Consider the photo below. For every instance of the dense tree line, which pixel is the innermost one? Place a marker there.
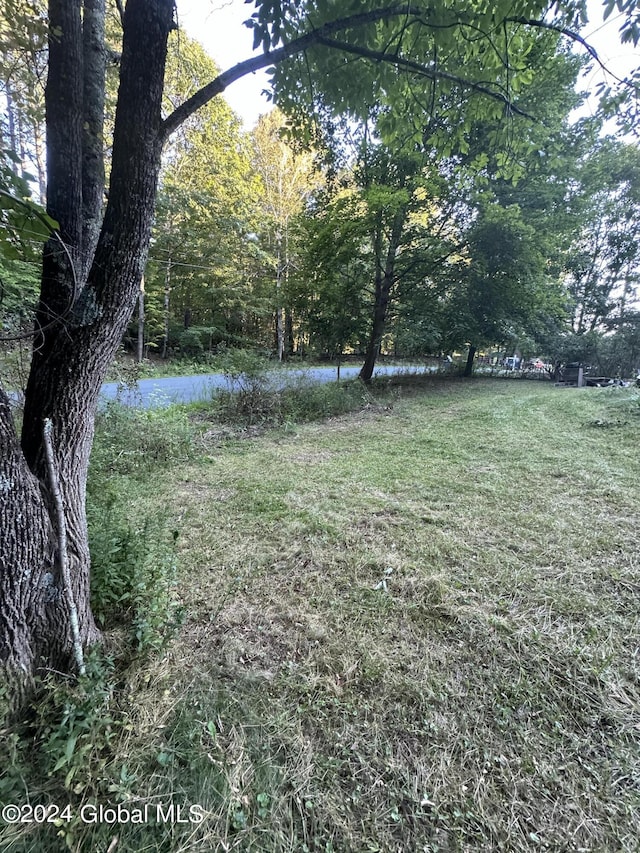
(323, 272)
(355, 246)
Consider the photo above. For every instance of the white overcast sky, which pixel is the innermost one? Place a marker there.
(218, 25)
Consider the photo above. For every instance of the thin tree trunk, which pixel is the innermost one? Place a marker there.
(385, 279)
(141, 322)
(383, 290)
(279, 312)
(166, 304)
(288, 333)
(468, 368)
(13, 141)
(40, 166)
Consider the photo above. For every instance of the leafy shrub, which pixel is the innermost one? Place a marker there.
(65, 737)
(250, 397)
(77, 725)
(242, 366)
(125, 372)
(254, 395)
(137, 441)
(133, 574)
(309, 402)
(180, 365)
(190, 342)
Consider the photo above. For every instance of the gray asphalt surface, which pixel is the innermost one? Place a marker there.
(159, 393)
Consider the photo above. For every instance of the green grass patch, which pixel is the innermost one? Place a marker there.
(413, 627)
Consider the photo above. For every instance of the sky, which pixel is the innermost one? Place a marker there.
(604, 36)
(218, 25)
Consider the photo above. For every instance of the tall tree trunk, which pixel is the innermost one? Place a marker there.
(279, 309)
(384, 282)
(94, 57)
(13, 139)
(280, 332)
(382, 295)
(86, 301)
(288, 332)
(38, 145)
(165, 310)
(468, 368)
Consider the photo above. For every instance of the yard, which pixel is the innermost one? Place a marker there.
(412, 628)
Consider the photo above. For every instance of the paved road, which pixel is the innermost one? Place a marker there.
(159, 393)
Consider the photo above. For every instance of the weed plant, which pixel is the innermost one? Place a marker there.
(133, 575)
(258, 405)
(133, 558)
(256, 397)
(137, 442)
(70, 746)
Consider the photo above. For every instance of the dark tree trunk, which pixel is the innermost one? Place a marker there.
(165, 311)
(288, 327)
(468, 368)
(384, 282)
(30, 603)
(88, 291)
(94, 58)
(382, 295)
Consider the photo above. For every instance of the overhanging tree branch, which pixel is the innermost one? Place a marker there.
(574, 36)
(323, 35)
(423, 71)
(273, 57)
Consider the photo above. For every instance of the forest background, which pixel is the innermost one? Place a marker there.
(520, 240)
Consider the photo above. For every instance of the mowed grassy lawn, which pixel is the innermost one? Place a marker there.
(413, 628)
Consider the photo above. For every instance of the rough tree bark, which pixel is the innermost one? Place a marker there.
(88, 292)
